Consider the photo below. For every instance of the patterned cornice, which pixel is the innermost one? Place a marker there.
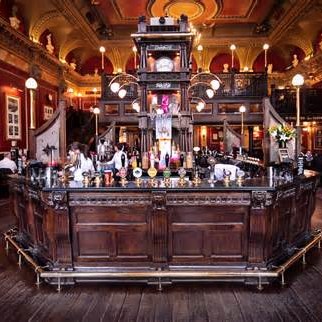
(42, 23)
(18, 44)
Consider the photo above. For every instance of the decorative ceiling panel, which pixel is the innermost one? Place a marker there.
(119, 12)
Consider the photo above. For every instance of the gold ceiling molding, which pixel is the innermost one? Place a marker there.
(115, 57)
(192, 9)
(41, 24)
(197, 11)
(70, 45)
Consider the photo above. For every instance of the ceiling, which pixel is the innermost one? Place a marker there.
(80, 27)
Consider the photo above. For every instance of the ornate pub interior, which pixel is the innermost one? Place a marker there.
(160, 142)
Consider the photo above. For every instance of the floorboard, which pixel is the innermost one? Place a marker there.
(299, 300)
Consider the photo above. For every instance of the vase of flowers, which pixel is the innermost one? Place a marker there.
(282, 133)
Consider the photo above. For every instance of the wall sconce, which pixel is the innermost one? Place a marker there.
(31, 84)
(265, 47)
(102, 51)
(232, 48)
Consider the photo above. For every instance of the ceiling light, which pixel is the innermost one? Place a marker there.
(215, 84)
(242, 109)
(210, 93)
(298, 80)
(115, 87)
(31, 83)
(122, 93)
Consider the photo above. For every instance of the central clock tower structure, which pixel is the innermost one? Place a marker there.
(164, 45)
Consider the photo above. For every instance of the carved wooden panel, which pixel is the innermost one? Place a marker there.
(107, 234)
(207, 234)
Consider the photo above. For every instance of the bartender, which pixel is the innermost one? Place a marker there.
(117, 158)
(80, 160)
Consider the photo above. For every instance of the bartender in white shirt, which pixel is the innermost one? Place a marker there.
(7, 163)
(117, 158)
(81, 162)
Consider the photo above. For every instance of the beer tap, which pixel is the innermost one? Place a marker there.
(152, 171)
(137, 172)
(166, 171)
(182, 172)
(123, 171)
(196, 180)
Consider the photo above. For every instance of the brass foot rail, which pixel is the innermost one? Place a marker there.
(276, 272)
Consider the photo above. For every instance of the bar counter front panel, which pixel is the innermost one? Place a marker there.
(129, 229)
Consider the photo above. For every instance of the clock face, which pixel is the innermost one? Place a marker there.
(164, 64)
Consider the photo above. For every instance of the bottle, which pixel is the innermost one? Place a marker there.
(189, 160)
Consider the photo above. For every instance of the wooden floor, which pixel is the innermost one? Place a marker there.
(299, 300)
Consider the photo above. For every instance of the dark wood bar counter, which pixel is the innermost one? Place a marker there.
(249, 233)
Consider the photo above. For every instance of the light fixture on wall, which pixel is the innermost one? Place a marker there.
(31, 84)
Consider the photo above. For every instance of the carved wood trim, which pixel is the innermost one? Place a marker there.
(56, 200)
(110, 199)
(208, 199)
(159, 227)
(262, 199)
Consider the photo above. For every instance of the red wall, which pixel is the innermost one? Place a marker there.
(12, 82)
(216, 65)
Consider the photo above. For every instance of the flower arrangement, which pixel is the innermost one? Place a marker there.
(282, 132)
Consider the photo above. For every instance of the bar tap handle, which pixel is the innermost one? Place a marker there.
(167, 159)
(197, 160)
(123, 160)
(181, 160)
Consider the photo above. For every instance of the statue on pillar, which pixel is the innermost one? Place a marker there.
(73, 64)
(14, 21)
(50, 48)
(295, 60)
(226, 68)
